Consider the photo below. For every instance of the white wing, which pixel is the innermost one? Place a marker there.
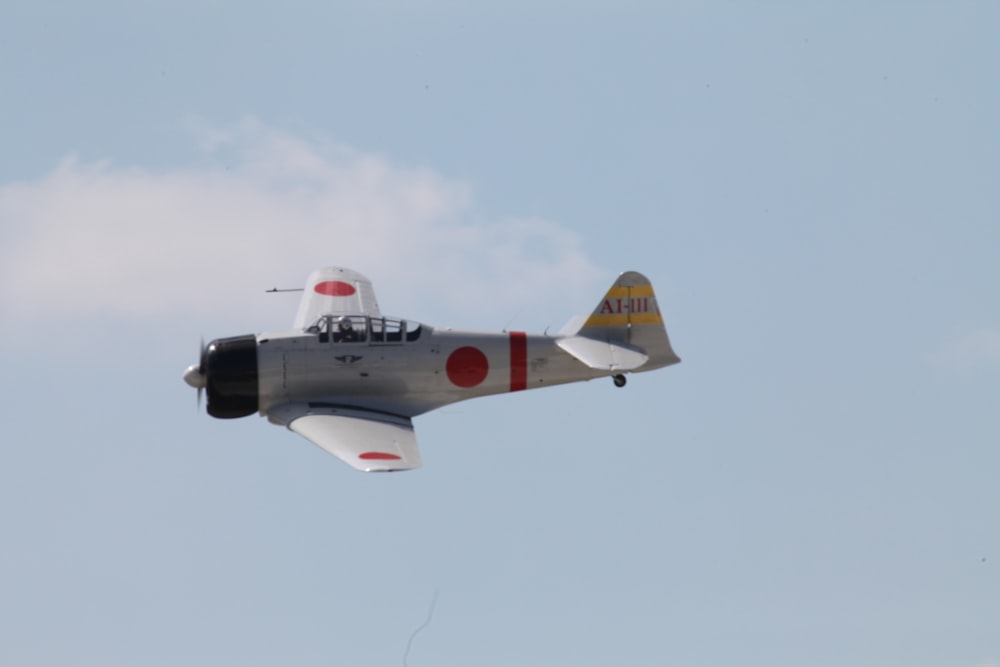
(365, 440)
(336, 291)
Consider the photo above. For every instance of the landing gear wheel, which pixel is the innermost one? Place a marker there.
(619, 380)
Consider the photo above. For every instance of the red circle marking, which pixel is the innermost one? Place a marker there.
(334, 288)
(378, 456)
(467, 367)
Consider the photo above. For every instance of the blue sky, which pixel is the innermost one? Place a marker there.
(811, 189)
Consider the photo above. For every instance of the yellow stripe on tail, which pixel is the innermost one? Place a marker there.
(629, 315)
(629, 301)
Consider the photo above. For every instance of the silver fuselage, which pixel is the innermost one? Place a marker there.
(407, 378)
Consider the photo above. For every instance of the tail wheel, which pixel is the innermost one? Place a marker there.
(619, 380)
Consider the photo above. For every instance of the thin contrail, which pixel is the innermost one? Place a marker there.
(427, 621)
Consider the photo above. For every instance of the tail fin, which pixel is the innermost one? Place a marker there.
(628, 320)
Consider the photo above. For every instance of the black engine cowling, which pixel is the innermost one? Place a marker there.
(230, 369)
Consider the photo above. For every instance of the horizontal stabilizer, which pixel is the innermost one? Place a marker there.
(604, 355)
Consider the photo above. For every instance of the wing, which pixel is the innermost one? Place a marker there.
(336, 291)
(365, 440)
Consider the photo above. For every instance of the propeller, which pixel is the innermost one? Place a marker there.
(227, 371)
(195, 373)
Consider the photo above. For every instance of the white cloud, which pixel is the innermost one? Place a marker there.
(980, 347)
(265, 208)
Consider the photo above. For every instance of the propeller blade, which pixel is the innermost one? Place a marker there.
(195, 375)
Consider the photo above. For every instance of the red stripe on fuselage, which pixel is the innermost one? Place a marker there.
(518, 360)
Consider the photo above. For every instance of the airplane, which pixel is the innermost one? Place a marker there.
(351, 380)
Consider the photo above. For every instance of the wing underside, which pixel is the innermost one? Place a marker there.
(367, 441)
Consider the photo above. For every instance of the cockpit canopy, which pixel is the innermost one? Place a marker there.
(363, 328)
